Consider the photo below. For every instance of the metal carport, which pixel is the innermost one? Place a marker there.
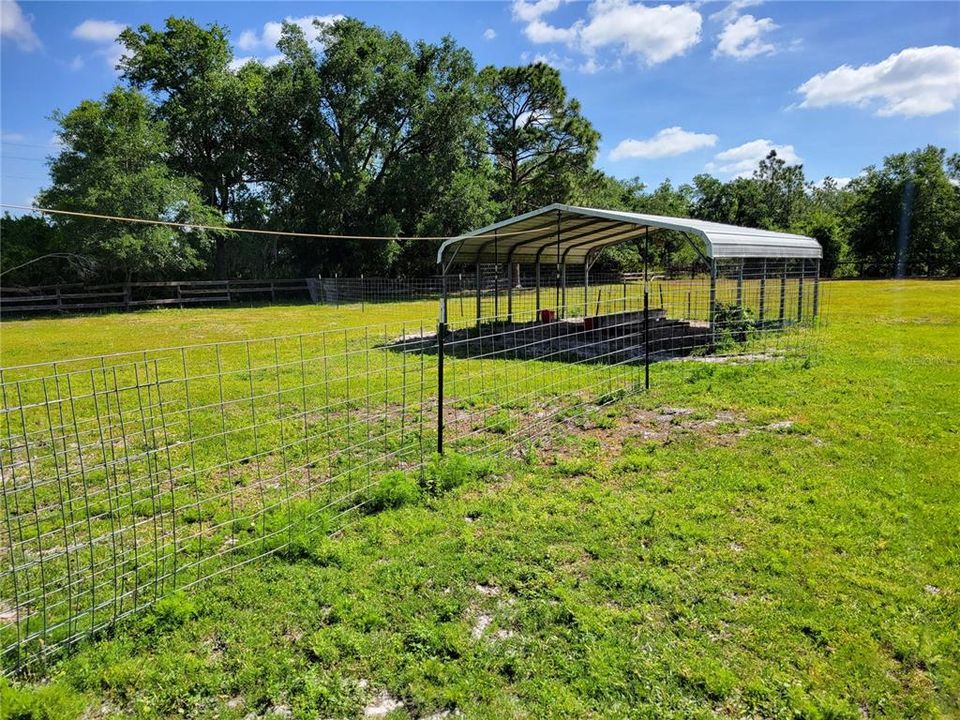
(562, 235)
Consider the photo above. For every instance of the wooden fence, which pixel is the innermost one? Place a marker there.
(138, 295)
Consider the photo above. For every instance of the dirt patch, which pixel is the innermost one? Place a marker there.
(666, 424)
(480, 625)
(381, 704)
(742, 359)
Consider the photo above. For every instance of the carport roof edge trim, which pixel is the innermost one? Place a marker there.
(720, 240)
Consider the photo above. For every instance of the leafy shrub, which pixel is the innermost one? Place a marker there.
(52, 701)
(734, 320)
(446, 472)
(169, 612)
(394, 490)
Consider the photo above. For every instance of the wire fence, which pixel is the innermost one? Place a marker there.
(129, 475)
(125, 477)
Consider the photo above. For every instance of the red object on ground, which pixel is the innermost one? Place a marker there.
(547, 316)
(588, 323)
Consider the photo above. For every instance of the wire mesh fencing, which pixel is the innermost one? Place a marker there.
(530, 354)
(126, 477)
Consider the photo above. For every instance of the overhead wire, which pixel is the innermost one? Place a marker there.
(252, 231)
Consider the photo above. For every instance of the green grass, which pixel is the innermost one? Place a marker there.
(773, 540)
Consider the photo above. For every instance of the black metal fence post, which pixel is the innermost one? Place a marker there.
(441, 337)
(646, 310)
(441, 333)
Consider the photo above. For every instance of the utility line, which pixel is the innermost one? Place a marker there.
(5, 156)
(221, 228)
(51, 148)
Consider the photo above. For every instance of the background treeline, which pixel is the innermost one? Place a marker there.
(356, 131)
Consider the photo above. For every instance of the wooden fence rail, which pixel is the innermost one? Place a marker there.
(138, 295)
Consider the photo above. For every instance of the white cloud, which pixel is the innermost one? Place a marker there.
(666, 143)
(653, 33)
(541, 32)
(103, 33)
(911, 83)
(732, 11)
(17, 26)
(269, 36)
(529, 10)
(12, 137)
(551, 58)
(840, 182)
(489, 34)
(268, 61)
(744, 38)
(742, 160)
(590, 66)
(248, 40)
(97, 30)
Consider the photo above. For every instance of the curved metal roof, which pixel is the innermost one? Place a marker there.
(583, 231)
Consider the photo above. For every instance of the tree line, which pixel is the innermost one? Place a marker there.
(356, 131)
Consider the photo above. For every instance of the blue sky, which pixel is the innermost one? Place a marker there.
(673, 89)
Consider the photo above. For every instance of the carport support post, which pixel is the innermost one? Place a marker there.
(557, 277)
(713, 301)
(803, 267)
(563, 290)
(496, 275)
(509, 291)
(478, 293)
(816, 288)
(763, 291)
(537, 273)
(783, 292)
(740, 284)
(586, 286)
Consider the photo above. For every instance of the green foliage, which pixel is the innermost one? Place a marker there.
(208, 110)
(540, 142)
(383, 131)
(168, 612)
(906, 214)
(26, 239)
(735, 321)
(394, 490)
(451, 470)
(113, 162)
(50, 701)
(375, 135)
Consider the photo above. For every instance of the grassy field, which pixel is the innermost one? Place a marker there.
(773, 540)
